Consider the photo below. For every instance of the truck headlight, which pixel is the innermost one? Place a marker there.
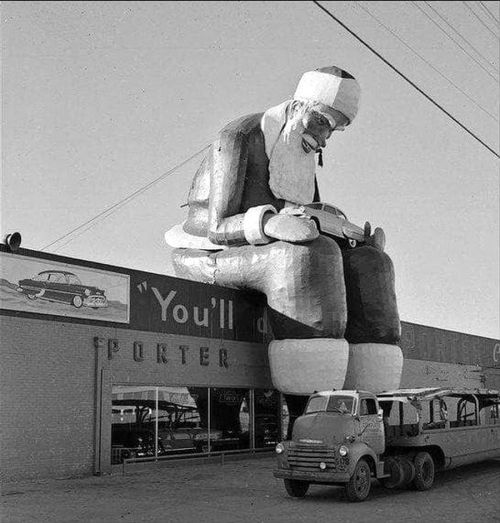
(279, 448)
(343, 450)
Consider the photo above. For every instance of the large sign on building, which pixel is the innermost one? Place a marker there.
(40, 284)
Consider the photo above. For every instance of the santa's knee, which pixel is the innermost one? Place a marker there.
(371, 297)
(304, 285)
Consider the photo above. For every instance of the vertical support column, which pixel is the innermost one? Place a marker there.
(282, 403)
(209, 415)
(252, 418)
(102, 425)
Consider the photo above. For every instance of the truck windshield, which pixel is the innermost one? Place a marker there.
(339, 404)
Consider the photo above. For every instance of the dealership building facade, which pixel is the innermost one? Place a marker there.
(102, 364)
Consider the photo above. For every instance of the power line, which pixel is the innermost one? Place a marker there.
(483, 5)
(429, 64)
(453, 39)
(125, 200)
(480, 19)
(406, 78)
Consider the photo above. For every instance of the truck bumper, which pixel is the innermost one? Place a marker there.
(312, 477)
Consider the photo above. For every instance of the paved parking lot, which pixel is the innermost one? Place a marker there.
(245, 491)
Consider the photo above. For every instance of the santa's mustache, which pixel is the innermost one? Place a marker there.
(309, 143)
(294, 130)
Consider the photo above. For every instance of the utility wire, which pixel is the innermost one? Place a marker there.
(453, 39)
(406, 78)
(480, 19)
(483, 5)
(125, 200)
(429, 64)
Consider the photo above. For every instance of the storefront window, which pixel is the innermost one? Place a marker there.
(161, 421)
(133, 423)
(266, 424)
(181, 416)
(229, 419)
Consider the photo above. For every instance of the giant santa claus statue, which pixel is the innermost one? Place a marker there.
(332, 309)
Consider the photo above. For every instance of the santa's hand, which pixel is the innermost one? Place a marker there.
(294, 229)
(294, 211)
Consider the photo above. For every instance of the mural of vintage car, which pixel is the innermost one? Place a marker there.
(63, 287)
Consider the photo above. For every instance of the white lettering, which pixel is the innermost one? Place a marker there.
(496, 353)
(230, 315)
(178, 317)
(221, 317)
(164, 303)
(204, 321)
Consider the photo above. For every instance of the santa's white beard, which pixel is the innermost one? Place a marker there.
(291, 169)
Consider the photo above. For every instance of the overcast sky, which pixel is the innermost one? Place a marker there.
(101, 98)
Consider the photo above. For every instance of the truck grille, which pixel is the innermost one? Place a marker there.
(308, 458)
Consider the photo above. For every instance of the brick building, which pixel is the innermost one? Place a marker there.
(102, 363)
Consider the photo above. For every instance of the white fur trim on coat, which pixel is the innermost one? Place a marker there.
(252, 224)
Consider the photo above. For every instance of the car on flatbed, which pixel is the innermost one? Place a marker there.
(401, 437)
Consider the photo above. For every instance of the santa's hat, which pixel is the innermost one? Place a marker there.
(332, 87)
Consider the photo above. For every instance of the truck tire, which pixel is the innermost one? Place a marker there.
(358, 487)
(296, 488)
(393, 467)
(408, 468)
(424, 471)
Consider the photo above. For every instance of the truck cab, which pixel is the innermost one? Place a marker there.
(338, 440)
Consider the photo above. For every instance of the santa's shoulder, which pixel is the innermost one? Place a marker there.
(244, 125)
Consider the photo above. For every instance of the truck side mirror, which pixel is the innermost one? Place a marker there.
(380, 415)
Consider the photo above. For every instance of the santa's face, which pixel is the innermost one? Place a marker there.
(319, 122)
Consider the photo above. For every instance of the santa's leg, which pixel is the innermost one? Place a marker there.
(304, 285)
(373, 327)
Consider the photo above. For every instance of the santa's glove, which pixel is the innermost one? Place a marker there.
(377, 239)
(289, 228)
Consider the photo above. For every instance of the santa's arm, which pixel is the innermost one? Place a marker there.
(226, 224)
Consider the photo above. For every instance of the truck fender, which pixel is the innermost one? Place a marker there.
(360, 450)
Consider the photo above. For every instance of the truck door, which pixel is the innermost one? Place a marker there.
(371, 428)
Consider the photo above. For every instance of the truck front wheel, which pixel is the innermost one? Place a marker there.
(424, 471)
(296, 488)
(358, 487)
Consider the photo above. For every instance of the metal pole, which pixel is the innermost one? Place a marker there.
(156, 423)
(209, 414)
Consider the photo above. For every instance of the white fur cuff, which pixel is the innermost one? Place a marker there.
(304, 366)
(374, 366)
(252, 224)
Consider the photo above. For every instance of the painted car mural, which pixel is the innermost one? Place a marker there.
(64, 287)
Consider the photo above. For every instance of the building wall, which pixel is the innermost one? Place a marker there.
(47, 399)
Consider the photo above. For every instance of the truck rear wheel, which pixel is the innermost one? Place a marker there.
(393, 467)
(358, 487)
(296, 488)
(424, 471)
